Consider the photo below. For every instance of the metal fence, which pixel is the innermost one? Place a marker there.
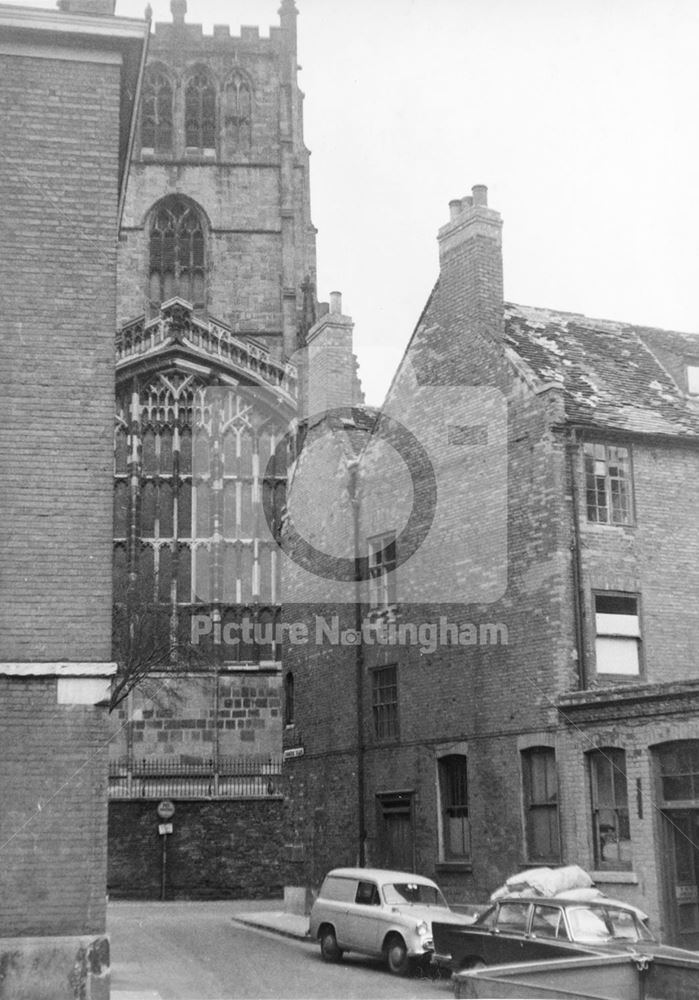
(222, 778)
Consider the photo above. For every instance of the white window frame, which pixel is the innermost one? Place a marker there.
(617, 635)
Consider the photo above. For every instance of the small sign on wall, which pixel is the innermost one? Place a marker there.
(166, 809)
(164, 829)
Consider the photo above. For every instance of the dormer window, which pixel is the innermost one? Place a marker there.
(693, 380)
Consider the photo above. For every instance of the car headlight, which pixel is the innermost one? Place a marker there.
(422, 927)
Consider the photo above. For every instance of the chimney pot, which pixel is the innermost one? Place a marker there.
(336, 302)
(454, 209)
(480, 195)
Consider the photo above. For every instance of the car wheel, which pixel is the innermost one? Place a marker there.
(397, 957)
(329, 948)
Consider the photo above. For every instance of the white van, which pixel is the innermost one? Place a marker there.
(380, 913)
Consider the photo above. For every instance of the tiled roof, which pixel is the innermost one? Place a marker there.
(613, 375)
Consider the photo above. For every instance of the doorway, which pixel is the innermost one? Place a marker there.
(396, 842)
(678, 799)
(682, 827)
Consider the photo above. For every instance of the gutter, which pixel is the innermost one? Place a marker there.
(572, 449)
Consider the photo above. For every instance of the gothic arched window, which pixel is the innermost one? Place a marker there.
(177, 254)
(237, 112)
(200, 112)
(156, 114)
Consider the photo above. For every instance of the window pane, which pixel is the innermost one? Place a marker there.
(617, 656)
(607, 483)
(512, 917)
(385, 702)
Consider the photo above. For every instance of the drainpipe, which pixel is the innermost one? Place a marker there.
(359, 659)
(573, 449)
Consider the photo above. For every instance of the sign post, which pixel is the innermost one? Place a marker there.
(166, 810)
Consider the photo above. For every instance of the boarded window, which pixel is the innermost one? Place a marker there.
(453, 789)
(541, 804)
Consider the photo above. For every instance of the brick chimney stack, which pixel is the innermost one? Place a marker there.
(470, 257)
(331, 367)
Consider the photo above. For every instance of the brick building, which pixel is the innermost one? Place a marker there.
(541, 708)
(216, 293)
(70, 82)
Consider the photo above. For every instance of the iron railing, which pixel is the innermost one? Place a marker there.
(222, 778)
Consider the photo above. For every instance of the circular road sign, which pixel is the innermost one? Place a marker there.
(166, 809)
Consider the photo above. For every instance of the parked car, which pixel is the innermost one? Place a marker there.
(385, 914)
(532, 928)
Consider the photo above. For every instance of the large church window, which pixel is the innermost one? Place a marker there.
(156, 113)
(177, 254)
(192, 510)
(237, 112)
(200, 112)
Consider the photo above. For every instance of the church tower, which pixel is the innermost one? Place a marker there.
(216, 291)
(218, 207)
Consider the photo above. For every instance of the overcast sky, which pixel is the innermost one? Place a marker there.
(581, 116)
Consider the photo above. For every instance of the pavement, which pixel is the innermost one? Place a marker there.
(290, 925)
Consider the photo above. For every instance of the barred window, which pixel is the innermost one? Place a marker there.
(453, 789)
(610, 809)
(200, 112)
(608, 484)
(385, 703)
(541, 804)
(156, 112)
(177, 254)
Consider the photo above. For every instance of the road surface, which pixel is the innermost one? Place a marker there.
(195, 951)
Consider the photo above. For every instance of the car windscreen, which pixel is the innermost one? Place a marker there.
(395, 893)
(600, 924)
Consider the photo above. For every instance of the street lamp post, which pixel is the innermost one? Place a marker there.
(353, 468)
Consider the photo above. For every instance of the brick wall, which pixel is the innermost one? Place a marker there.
(59, 180)
(184, 717)
(656, 558)
(53, 823)
(486, 696)
(218, 850)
